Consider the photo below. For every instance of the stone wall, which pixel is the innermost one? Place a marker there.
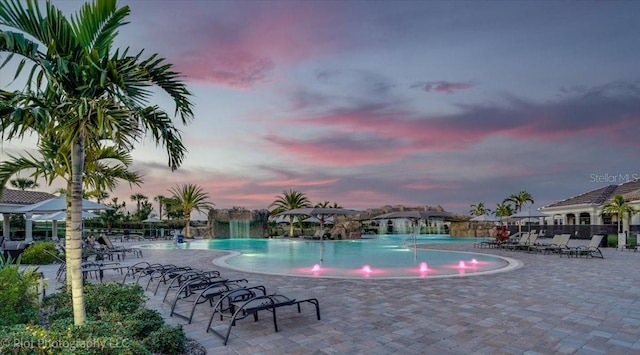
(472, 229)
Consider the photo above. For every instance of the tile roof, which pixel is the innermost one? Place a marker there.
(20, 197)
(630, 190)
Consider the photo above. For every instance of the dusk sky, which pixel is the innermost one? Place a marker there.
(372, 103)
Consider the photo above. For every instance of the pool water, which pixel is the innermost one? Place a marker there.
(380, 257)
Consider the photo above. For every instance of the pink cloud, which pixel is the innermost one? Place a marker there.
(244, 52)
(441, 86)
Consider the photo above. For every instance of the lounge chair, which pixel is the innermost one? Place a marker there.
(520, 242)
(591, 250)
(242, 303)
(559, 242)
(104, 240)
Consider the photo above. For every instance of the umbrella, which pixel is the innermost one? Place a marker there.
(62, 215)
(524, 215)
(60, 204)
(153, 219)
(321, 213)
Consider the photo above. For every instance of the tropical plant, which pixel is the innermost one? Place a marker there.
(479, 209)
(519, 200)
(621, 208)
(289, 200)
(160, 200)
(23, 183)
(190, 198)
(139, 199)
(327, 204)
(172, 208)
(82, 91)
(116, 213)
(503, 210)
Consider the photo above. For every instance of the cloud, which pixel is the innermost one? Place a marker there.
(441, 86)
(370, 133)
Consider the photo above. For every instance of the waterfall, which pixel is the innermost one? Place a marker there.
(239, 229)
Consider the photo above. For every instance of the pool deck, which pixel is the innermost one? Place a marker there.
(549, 305)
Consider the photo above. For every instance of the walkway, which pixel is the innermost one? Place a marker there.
(550, 305)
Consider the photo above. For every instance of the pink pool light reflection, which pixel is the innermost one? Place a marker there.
(354, 259)
(423, 267)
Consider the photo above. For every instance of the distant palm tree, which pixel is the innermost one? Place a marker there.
(327, 204)
(479, 209)
(160, 200)
(519, 199)
(190, 197)
(24, 183)
(138, 199)
(621, 208)
(289, 200)
(503, 210)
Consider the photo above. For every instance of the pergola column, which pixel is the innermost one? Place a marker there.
(28, 230)
(6, 226)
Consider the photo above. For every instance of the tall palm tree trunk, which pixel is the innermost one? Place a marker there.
(74, 239)
(187, 227)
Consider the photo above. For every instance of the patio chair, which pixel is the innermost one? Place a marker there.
(522, 241)
(558, 242)
(240, 306)
(104, 240)
(591, 250)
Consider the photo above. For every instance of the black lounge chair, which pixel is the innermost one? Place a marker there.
(242, 303)
(213, 291)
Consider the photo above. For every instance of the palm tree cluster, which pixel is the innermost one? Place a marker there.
(510, 205)
(81, 96)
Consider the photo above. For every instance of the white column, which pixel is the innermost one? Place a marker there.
(54, 232)
(28, 234)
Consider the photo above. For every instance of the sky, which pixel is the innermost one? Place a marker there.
(372, 103)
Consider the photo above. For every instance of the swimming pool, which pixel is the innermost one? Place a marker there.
(379, 258)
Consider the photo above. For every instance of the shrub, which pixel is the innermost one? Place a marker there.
(167, 340)
(100, 297)
(18, 295)
(143, 322)
(36, 254)
(27, 339)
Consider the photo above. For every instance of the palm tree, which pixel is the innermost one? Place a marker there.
(621, 208)
(23, 183)
(139, 199)
(327, 204)
(519, 199)
(160, 200)
(503, 210)
(81, 90)
(289, 200)
(479, 209)
(190, 198)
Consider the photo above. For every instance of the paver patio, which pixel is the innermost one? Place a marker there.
(549, 305)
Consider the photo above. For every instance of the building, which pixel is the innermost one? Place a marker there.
(12, 200)
(582, 214)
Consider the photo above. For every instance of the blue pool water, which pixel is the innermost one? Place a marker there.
(380, 257)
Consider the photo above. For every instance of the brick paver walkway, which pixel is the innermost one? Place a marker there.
(550, 305)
